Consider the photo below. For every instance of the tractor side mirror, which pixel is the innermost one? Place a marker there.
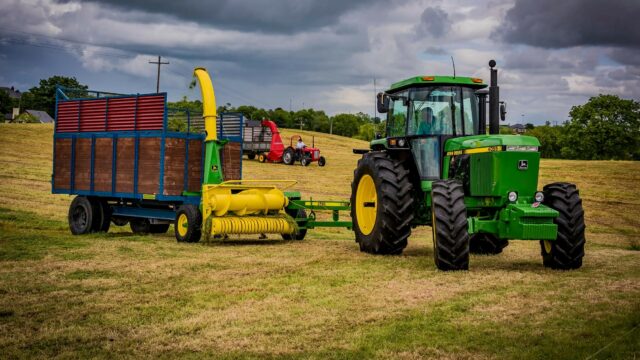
(382, 103)
(503, 110)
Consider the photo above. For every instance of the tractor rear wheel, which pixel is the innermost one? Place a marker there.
(301, 233)
(486, 244)
(449, 226)
(382, 203)
(81, 214)
(251, 155)
(567, 251)
(288, 157)
(322, 161)
(188, 224)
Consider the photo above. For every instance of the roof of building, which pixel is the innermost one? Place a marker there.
(42, 116)
(518, 126)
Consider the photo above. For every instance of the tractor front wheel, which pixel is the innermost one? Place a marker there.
(567, 251)
(449, 226)
(486, 244)
(382, 203)
(262, 158)
(188, 224)
(322, 161)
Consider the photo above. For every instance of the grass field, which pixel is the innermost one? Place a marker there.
(119, 295)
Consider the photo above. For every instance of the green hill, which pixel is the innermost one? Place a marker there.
(116, 294)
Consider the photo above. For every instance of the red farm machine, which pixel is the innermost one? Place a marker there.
(262, 139)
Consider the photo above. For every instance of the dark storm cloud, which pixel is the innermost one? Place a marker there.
(434, 22)
(268, 16)
(567, 23)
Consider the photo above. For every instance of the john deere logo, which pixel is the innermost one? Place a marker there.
(523, 164)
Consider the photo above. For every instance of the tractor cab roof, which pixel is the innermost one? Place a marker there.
(431, 80)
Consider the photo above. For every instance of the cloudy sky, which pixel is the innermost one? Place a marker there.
(552, 54)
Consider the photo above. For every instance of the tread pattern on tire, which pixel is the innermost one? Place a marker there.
(486, 244)
(395, 203)
(450, 231)
(194, 218)
(301, 232)
(567, 250)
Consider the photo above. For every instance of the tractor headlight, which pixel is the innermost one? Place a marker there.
(539, 196)
(401, 142)
(513, 196)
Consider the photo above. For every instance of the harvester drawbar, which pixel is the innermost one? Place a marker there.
(117, 154)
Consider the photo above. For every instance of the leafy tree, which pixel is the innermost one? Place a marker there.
(606, 127)
(346, 125)
(6, 103)
(25, 118)
(549, 137)
(529, 126)
(43, 97)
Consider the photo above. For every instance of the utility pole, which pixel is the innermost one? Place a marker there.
(159, 63)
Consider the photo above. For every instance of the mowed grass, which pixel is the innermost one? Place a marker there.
(119, 295)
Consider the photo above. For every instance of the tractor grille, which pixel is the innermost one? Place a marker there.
(316, 154)
(536, 220)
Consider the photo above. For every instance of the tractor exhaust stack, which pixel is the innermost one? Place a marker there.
(494, 100)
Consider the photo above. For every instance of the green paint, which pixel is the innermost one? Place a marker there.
(212, 163)
(417, 81)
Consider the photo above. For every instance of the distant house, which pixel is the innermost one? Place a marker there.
(518, 129)
(42, 116)
(13, 93)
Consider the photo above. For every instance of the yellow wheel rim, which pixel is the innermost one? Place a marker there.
(183, 225)
(261, 158)
(366, 204)
(547, 246)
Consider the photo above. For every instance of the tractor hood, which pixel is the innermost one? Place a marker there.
(481, 141)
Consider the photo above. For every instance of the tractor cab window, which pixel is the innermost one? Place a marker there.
(397, 120)
(443, 110)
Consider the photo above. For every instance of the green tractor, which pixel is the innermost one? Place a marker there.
(437, 166)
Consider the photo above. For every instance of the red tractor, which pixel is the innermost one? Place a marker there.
(306, 155)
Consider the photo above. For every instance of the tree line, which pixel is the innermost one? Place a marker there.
(606, 127)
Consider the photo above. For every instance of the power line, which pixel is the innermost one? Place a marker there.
(159, 63)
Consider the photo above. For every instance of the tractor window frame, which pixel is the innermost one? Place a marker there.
(393, 129)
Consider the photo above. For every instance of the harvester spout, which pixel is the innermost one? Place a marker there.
(209, 112)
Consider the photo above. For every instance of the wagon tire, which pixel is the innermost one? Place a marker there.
(81, 213)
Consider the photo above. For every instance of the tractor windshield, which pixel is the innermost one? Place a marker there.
(445, 110)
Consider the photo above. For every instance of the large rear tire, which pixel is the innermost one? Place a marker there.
(188, 224)
(486, 244)
(450, 227)
(567, 251)
(382, 203)
(81, 216)
(289, 155)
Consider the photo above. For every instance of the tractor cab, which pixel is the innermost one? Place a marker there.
(424, 112)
